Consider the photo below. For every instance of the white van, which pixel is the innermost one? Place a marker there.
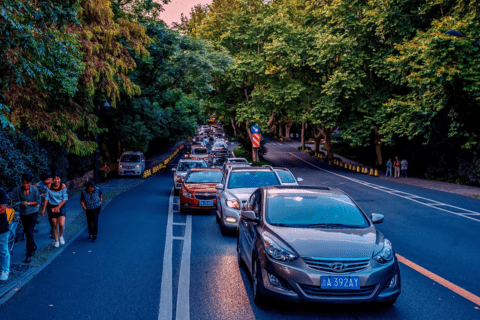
(131, 163)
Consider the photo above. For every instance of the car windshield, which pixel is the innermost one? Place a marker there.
(130, 158)
(204, 177)
(286, 176)
(219, 145)
(238, 161)
(314, 211)
(199, 151)
(185, 166)
(252, 179)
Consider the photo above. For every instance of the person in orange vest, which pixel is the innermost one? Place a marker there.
(396, 165)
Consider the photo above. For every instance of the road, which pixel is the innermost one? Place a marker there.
(150, 262)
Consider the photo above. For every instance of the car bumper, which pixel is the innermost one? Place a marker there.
(192, 203)
(129, 172)
(303, 284)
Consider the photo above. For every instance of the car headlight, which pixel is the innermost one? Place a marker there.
(120, 166)
(233, 204)
(187, 194)
(386, 255)
(137, 166)
(276, 252)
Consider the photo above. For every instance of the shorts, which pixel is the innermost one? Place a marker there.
(63, 211)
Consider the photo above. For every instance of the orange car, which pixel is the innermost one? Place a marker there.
(198, 189)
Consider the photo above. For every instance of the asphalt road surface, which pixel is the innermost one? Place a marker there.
(150, 262)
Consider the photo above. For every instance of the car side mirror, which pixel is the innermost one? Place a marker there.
(299, 179)
(377, 218)
(249, 216)
(174, 169)
(118, 160)
(219, 186)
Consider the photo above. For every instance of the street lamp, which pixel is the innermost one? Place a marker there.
(456, 33)
(106, 105)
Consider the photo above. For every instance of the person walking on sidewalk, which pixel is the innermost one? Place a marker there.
(29, 197)
(396, 165)
(4, 232)
(404, 165)
(91, 201)
(389, 168)
(55, 200)
(42, 186)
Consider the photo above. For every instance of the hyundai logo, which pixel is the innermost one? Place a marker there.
(337, 266)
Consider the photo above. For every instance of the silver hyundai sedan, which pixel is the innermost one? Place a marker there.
(315, 244)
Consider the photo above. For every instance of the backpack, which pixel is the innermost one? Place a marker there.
(398, 164)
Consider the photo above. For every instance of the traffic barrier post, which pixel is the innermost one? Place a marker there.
(376, 173)
(371, 172)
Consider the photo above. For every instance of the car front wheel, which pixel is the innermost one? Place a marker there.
(258, 297)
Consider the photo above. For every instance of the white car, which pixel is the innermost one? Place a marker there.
(131, 163)
(218, 145)
(182, 168)
(237, 185)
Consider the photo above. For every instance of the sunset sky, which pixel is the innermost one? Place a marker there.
(175, 8)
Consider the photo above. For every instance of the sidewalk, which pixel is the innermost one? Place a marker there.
(469, 191)
(21, 273)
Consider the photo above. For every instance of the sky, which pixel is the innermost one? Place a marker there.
(175, 8)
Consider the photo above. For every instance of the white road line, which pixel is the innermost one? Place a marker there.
(432, 203)
(183, 297)
(165, 308)
(178, 223)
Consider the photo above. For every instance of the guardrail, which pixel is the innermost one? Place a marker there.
(356, 168)
(163, 165)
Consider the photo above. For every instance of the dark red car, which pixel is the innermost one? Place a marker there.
(198, 189)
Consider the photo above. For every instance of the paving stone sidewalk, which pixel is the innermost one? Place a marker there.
(21, 272)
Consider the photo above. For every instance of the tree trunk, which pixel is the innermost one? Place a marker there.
(280, 129)
(234, 127)
(304, 126)
(288, 126)
(378, 147)
(317, 137)
(327, 134)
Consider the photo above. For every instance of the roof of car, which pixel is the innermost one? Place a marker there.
(249, 168)
(205, 169)
(190, 160)
(132, 152)
(299, 189)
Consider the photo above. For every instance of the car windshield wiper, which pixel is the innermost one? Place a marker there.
(279, 224)
(327, 225)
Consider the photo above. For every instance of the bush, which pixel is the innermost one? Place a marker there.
(241, 152)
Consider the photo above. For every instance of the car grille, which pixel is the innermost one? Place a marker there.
(326, 265)
(363, 292)
(205, 196)
(129, 167)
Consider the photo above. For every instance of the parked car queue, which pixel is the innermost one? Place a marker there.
(297, 242)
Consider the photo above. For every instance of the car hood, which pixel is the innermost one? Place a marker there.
(329, 243)
(204, 187)
(242, 193)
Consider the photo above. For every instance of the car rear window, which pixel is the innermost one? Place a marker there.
(204, 177)
(313, 210)
(252, 179)
(199, 151)
(286, 176)
(238, 161)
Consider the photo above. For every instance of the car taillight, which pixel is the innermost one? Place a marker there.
(179, 180)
